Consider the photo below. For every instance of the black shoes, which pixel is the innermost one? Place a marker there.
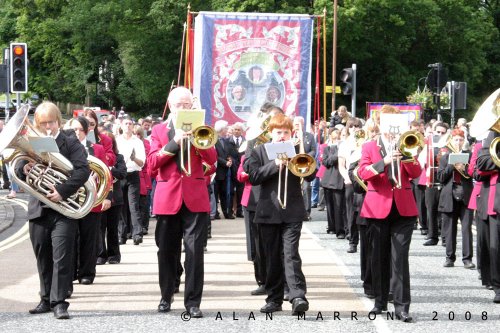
(378, 309)
(122, 241)
(286, 297)
(271, 307)
(261, 290)
(101, 261)
(61, 311)
(239, 215)
(314, 206)
(114, 260)
(431, 242)
(195, 312)
(341, 236)
(86, 281)
(469, 265)
(496, 299)
(404, 317)
(449, 263)
(321, 208)
(307, 218)
(424, 232)
(144, 231)
(137, 240)
(299, 305)
(42, 307)
(352, 249)
(164, 306)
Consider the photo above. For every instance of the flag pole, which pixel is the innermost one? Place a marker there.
(334, 51)
(324, 63)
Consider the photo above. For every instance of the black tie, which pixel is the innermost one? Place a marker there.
(238, 142)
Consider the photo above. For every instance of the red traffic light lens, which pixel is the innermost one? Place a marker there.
(18, 50)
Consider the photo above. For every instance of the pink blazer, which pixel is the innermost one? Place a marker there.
(381, 194)
(174, 188)
(243, 178)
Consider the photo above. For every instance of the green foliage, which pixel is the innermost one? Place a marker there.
(126, 52)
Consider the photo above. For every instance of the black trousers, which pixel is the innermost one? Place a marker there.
(450, 222)
(254, 247)
(53, 240)
(108, 246)
(307, 192)
(223, 196)
(365, 258)
(170, 230)
(86, 246)
(432, 203)
(144, 209)
(390, 240)
(351, 214)
(489, 232)
(238, 193)
(281, 250)
(419, 192)
(130, 223)
(335, 209)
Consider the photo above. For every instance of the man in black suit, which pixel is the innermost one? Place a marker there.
(310, 149)
(223, 172)
(235, 142)
(453, 203)
(53, 234)
(279, 227)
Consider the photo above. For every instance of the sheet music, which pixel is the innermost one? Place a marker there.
(277, 149)
(43, 144)
(188, 120)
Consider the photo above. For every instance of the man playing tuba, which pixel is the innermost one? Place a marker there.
(53, 234)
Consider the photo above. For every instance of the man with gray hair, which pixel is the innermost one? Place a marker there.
(222, 183)
(236, 140)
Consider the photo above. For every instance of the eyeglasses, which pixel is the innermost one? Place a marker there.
(45, 123)
(182, 105)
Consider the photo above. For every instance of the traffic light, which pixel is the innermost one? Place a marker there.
(18, 57)
(346, 76)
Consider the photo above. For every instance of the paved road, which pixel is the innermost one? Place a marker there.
(124, 297)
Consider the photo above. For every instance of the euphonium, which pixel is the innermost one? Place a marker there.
(49, 169)
(488, 118)
(259, 130)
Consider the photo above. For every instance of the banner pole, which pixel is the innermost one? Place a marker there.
(324, 64)
(334, 51)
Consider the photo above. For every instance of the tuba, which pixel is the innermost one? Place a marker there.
(259, 130)
(487, 118)
(49, 169)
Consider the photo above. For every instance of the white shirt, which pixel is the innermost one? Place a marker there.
(126, 146)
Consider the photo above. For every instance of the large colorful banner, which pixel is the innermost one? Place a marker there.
(243, 60)
(413, 111)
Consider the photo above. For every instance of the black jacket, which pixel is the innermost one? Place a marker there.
(332, 179)
(445, 176)
(265, 173)
(119, 172)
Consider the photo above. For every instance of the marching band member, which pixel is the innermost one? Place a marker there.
(490, 261)
(181, 205)
(88, 226)
(333, 185)
(279, 228)
(53, 234)
(391, 214)
(453, 203)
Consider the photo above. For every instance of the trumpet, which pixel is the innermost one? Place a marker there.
(202, 137)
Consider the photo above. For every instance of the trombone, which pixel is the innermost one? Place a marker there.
(301, 165)
(202, 137)
(408, 144)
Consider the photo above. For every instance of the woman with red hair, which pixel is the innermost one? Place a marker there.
(454, 200)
